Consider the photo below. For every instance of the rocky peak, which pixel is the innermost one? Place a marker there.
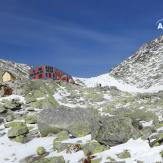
(20, 71)
(145, 67)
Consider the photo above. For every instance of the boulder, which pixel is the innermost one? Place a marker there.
(59, 146)
(40, 150)
(31, 119)
(123, 155)
(17, 130)
(63, 135)
(114, 130)
(93, 147)
(21, 139)
(13, 124)
(12, 105)
(157, 141)
(77, 121)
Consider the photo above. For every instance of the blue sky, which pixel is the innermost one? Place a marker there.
(82, 37)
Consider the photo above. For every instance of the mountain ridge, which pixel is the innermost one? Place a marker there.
(20, 71)
(144, 68)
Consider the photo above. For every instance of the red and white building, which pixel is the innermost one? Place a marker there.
(49, 72)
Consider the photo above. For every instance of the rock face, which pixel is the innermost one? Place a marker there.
(77, 121)
(114, 130)
(20, 71)
(145, 68)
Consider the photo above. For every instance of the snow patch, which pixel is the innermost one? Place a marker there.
(13, 152)
(14, 97)
(138, 149)
(107, 80)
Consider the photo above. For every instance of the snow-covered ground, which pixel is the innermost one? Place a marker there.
(21, 99)
(62, 93)
(138, 149)
(12, 152)
(107, 80)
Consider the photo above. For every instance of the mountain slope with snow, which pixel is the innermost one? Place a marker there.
(145, 68)
(142, 72)
(110, 81)
(114, 117)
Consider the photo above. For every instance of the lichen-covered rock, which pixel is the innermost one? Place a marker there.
(139, 115)
(12, 104)
(114, 130)
(21, 139)
(78, 130)
(48, 102)
(63, 135)
(45, 129)
(40, 150)
(158, 141)
(9, 118)
(31, 119)
(13, 124)
(39, 94)
(93, 147)
(59, 146)
(17, 130)
(124, 154)
(78, 121)
(58, 159)
(146, 132)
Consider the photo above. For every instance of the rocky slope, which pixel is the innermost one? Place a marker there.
(78, 124)
(20, 71)
(100, 120)
(143, 69)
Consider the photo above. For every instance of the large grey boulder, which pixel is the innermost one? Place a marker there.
(114, 130)
(77, 121)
